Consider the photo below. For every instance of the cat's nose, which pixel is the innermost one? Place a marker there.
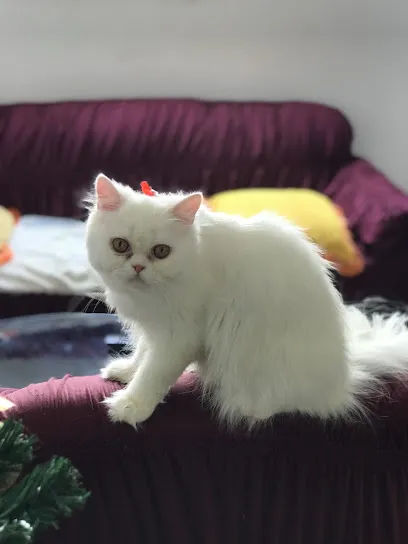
(138, 268)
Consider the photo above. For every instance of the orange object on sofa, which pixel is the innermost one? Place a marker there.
(8, 218)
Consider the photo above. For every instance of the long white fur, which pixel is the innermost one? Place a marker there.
(251, 301)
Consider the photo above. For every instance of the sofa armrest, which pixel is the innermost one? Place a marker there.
(368, 199)
(181, 466)
(377, 213)
(68, 417)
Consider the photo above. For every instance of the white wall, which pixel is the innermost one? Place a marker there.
(352, 54)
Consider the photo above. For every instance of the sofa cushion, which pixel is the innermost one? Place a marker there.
(49, 153)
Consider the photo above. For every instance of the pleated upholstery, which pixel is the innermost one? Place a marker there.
(50, 153)
(183, 478)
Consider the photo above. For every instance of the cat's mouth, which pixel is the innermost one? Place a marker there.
(137, 280)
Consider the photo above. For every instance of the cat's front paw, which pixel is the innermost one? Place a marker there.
(119, 370)
(123, 407)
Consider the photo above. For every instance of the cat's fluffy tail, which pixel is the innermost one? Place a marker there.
(378, 349)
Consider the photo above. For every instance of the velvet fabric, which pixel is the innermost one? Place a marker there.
(377, 213)
(50, 153)
(183, 478)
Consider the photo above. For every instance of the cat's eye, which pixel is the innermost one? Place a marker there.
(120, 245)
(161, 251)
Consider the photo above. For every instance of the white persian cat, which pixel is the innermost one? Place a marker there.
(251, 301)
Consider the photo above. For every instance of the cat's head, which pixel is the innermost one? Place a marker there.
(140, 241)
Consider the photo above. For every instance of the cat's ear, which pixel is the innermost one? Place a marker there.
(187, 208)
(107, 195)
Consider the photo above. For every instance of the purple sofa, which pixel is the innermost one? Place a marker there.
(50, 153)
(183, 478)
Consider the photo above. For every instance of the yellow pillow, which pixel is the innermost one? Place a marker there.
(323, 221)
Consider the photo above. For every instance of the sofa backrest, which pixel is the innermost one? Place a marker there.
(50, 153)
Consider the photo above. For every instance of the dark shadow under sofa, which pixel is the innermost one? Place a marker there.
(183, 478)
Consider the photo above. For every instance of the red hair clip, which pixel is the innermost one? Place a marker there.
(146, 189)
